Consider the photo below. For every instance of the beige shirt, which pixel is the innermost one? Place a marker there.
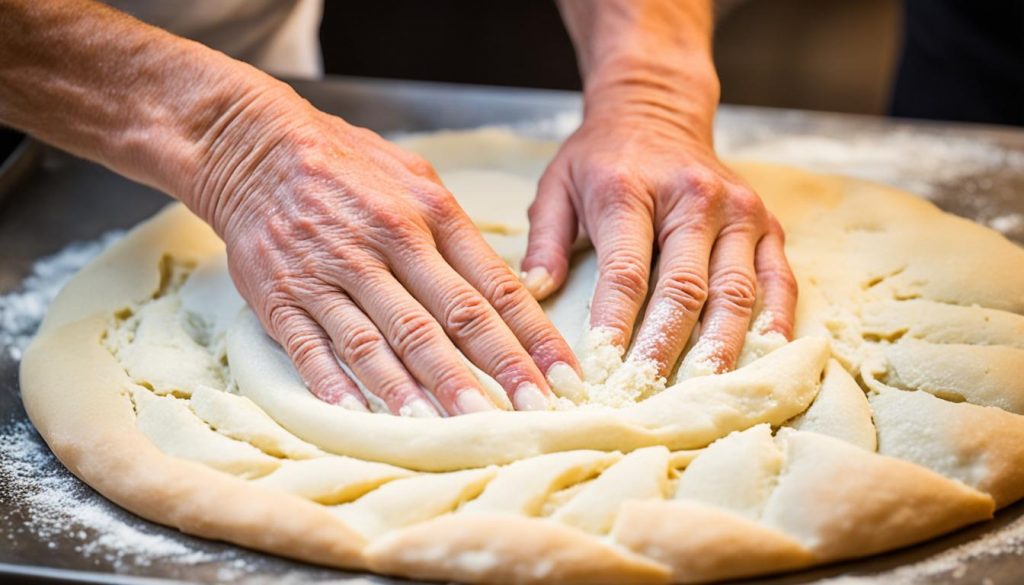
(278, 36)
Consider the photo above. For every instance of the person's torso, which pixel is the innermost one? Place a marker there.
(278, 36)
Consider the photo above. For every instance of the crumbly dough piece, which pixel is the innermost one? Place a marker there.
(990, 375)
(237, 417)
(640, 475)
(841, 502)
(737, 473)
(954, 439)
(332, 479)
(841, 410)
(177, 431)
(522, 487)
(158, 351)
(416, 499)
(942, 323)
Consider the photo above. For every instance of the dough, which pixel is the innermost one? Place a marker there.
(895, 416)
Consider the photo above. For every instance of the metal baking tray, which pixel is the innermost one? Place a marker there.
(64, 199)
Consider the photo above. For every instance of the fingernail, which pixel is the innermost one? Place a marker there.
(471, 400)
(529, 397)
(418, 408)
(566, 382)
(538, 281)
(352, 403)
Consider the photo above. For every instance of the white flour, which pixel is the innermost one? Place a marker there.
(915, 160)
(58, 509)
(21, 311)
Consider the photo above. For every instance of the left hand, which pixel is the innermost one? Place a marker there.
(643, 183)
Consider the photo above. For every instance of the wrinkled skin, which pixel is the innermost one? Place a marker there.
(640, 185)
(347, 245)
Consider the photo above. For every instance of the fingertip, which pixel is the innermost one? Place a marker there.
(418, 408)
(528, 396)
(471, 400)
(565, 381)
(773, 321)
(539, 282)
(349, 402)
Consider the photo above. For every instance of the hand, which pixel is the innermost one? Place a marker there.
(636, 183)
(347, 246)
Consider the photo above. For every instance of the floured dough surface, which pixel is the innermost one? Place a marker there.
(896, 415)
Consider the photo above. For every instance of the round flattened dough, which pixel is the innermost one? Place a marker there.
(862, 253)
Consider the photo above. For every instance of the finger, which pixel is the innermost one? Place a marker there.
(310, 350)
(778, 285)
(624, 245)
(553, 229)
(731, 296)
(420, 342)
(363, 348)
(679, 296)
(469, 254)
(469, 320)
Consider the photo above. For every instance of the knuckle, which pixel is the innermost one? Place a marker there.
(284, 287)
(686, 289)
(617, 178)
(412, 331)
(548, 347)
(316, 161)
(278, 317)
(449, 380)
(420, 166)
(440, 204)
(626, 275)
(391, 390)
(466, 315)
(505, 292)
(359, 344)
(394, 220)
(747, 204)
(735, 288)
(704, 184)
(304, 347)
(343, 258)
(506, 366)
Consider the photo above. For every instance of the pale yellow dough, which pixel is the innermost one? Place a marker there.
(895, 416)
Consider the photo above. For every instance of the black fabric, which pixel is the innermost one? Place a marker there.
(492, 42)
(9, 140)
(963, 60)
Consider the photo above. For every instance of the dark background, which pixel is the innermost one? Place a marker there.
(832, 55)
(959, 60)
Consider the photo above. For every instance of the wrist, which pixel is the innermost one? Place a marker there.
(682, 91)
(227, 139)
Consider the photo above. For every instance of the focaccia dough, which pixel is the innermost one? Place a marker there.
(894, 416)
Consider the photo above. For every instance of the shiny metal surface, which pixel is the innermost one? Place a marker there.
(66, 200)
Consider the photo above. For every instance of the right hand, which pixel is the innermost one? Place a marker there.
(347, 246)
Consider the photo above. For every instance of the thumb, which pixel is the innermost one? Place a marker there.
(553, 228)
